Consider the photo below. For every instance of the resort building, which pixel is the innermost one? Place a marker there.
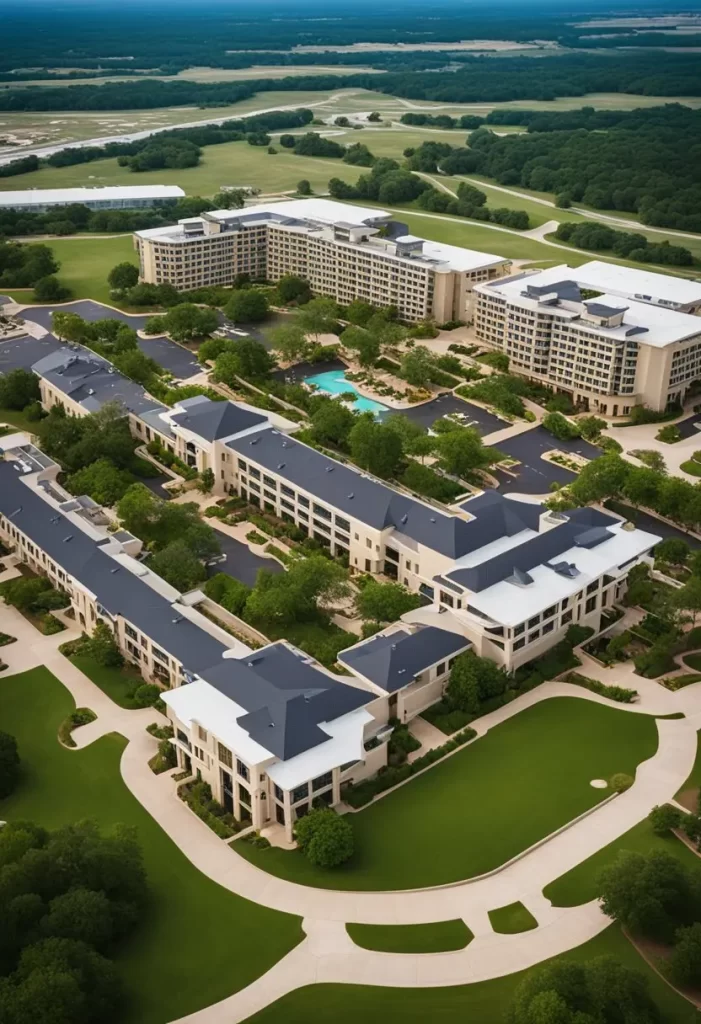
(271, 730)
(605, 349)
(99, 197)
(344, 251)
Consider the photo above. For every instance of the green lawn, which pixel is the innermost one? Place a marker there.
(579, 885)
(512, 919)
(486, 803)
(411, 938)
(199, 942)
(17, 418)
(486, 1002)
(115, 682)
(688, 794)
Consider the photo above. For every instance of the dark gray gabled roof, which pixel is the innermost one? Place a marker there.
(378, 505)
(539, 550)
(392, 661)
(91, 381)
(117, 589)
(213, 420)
(285, 696)
(601, 309)
(568, 290)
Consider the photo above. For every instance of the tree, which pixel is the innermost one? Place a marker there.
(359, 312)
(688, 599)
(122, 276)
(319, 316)
(461, 451)
(365, 344)
(292, 289)
(80, 914)
(231, 199)
(290, 341)
(375, 116)
(179, 566)
(385, 602)
(473, 680)
(600, 991)
(9, 764)
(206, 482)
(673, 550)
(247, 306)
(102, 480)
(304, 188)
(560, 427)
(296, 594)
(332, 422)
(187, 321)
(374, 447)
(325, 837)
(18, 389)
(663, 819)
(601, 478)
(591, 426)
(415, 440)
(50, 289)
(685, 961)
(102, 648)
(642, 486)
(417, 367)
(651, 895)
(247, 358)
(23, 592)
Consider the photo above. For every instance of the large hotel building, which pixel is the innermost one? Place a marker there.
(343, 251)
(612, 337)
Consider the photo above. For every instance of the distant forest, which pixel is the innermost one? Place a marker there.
(477, 80)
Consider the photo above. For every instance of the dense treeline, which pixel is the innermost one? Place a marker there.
(69, 220)
(21, 266)
(629, 245)
(156, 150)
(477, 79)
(651, 170)
(389, 183)
(95, 37)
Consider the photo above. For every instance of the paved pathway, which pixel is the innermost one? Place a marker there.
(327, 954)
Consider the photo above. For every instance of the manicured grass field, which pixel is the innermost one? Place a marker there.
(411, 938)
(579, 885)
(512, 919)
(688, 794)
(198, 942)
(16, 417)
(486, 803)
(486, 1002)
(115, 682)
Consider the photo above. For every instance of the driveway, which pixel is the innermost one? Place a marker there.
(426, 415)
(535, 475)
(240, 562)
(652, 524)
(173, 358)
(691, 427)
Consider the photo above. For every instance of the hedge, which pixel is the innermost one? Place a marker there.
(198, 797)
(364, 792)
(617, 693)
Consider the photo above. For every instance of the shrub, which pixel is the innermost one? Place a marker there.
(617, 693)
(663, 819)
(146, 695)
(669, 434)
(198, 797)
(620, 782)
(325, 837)
(9, 764)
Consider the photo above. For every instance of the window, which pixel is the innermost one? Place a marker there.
(287, 490)
(131, 632)
(392, 554)
(593, 587)
(158, 653)
(242, 770)
(518, 644)
(279, 793)
(255, 473)
(301, 500)
(300, 793)
(368, 542)
(533, 636)
(342, 524)
(440, 669)
(269, 482)
(567, 617)
(225, 755)
(590, 605)
(548, 627)
(322, 781)
(201, 734)
(534, 621)
(549, 612)
(244, 795)
(518, 630)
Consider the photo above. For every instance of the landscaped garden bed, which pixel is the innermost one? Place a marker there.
(122, 683)
(499, 819)
(439, 937)
(198, 797)
(81, 716)
(34, 598)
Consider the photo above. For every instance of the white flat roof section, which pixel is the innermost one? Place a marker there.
(46, 196)
(641, 284)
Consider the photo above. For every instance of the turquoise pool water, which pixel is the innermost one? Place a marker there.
(334, 383)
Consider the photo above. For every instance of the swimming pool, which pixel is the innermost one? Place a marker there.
(334, 383)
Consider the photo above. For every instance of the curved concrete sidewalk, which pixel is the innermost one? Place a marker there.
(328, 954)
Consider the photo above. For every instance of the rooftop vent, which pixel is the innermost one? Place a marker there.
(255, 440)
(17, 510)
(404, 518)
(351, 495)
(177, 619)
(433, 519)
(55, 519)
(284, 444)
(281, 465)
(520, 578)
(329, 469)
(566, 569)
(68, 538)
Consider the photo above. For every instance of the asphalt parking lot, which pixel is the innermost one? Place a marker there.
(426, 415)
(690, 427)
(240, 562)
(173, 358)
(535, 475)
